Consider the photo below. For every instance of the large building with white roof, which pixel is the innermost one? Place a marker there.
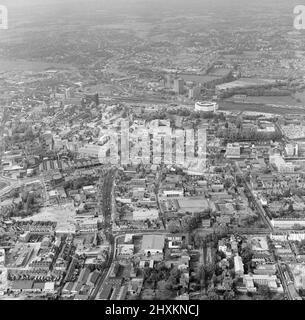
(206, 106)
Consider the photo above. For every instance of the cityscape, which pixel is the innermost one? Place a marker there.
(152, 150)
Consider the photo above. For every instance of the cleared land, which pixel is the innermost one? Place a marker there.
(64, 216)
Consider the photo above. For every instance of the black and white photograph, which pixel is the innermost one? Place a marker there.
(152, 153)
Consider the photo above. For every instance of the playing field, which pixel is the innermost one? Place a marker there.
(231, 106)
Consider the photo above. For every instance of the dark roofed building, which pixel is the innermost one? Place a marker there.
(94, 276)
(22, 285)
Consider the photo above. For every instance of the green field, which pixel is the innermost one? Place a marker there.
(231, 106)
(277, 100)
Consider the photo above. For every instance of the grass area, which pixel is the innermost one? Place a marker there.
(278, 100)
(231, 106)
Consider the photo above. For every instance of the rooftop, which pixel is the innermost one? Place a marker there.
(153, 242)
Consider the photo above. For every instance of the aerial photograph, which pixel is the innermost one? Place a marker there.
(152, 150)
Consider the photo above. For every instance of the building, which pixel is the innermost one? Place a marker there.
(49, 287)
(280, 236)
(88, 226)
(296, 236)
(291, 149)
(223, 247)
(173, 193)
(179, 86)
(193, 205)
(168, 81)
(206, 106)
(205, 223)
(265, 269)
(152, 244)
(144, 214)
(233, 150)
(2, 258)
(110, 289)
(22, 286)
(280, 164)
(194, 93)
(287, 223)
(125, 250)
(90, 151)
(238, 265)
(265, 280)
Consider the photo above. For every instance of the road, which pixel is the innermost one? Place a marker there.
(106, 272)
(257, 204)
(142, 100)
(4, 118)
(107, 192)
(288, 285)
(105, 207)
(277, 125)
(251, 231)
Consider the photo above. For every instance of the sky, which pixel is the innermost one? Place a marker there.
(29, 9)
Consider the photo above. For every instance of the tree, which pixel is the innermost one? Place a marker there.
(297, 226)
(163, 294)
(221, 231)
(173, 226)
(228, 183)
(212, 295)
(265, 292)
(229, 295)
(246, 254)
(201, 276)
(200, 240)
(290, 207)
(209, 269)
(221, 254)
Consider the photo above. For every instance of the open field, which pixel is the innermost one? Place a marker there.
(231, 106)
(277, 100)
(64, 216)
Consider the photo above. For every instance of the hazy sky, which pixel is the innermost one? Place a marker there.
(142, 8)
(162, 3)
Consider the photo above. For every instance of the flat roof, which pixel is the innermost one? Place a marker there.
(150, 241)
(193, 203)
(22, 284)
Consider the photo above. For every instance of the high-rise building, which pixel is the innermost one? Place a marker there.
(68, 93)
(179, 86)
(168, 81)
(194, 93)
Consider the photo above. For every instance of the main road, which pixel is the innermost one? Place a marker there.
(106, 272)
(257, 204)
